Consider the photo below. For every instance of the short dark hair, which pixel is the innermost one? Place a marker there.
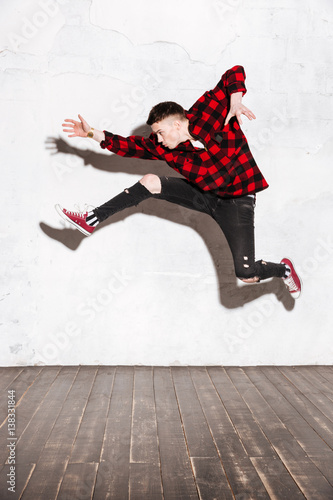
(165, 109)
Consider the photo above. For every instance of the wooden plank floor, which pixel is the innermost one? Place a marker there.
(180, 433)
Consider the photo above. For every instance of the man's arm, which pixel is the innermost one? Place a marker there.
(133, 146)
(232, 88)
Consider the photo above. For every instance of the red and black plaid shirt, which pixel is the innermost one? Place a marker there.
(226, 165)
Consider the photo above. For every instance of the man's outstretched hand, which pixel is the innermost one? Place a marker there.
(237, 109)
(76, 129)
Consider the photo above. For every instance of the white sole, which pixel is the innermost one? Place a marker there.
(67, 219)
(300, 280)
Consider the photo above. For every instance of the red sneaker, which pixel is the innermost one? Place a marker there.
(77, 219)
(293, 281)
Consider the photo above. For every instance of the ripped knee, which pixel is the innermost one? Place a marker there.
(152, 182)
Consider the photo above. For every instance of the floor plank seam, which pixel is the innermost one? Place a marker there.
(209, 427)
(80, 423)
(106, 416)
(158, 439)
(184, 433)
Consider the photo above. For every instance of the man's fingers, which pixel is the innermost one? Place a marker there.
(250, 115)
(227, 119)
(247, 112)
(238, 116)
(71, 121)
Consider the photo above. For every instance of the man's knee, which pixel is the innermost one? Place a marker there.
(152, 182)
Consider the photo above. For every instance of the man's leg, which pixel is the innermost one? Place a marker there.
(86, 222)
(172, 189)
(236, 219)
(150, 184)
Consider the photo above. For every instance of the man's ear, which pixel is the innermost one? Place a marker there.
(177, 124)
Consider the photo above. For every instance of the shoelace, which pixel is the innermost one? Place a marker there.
(75, 214)
(291, 284)
(78, 212)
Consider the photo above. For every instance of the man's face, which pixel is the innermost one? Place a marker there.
(167, 132)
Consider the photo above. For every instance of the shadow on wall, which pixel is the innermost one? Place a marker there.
(232, 295)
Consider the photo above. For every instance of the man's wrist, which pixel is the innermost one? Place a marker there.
(96, 135)
(236, 96)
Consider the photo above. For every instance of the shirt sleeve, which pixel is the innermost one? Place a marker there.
(133, 146)
(233, 80)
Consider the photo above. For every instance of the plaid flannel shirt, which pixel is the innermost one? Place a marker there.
(225, 166)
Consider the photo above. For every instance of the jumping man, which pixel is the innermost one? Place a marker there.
(221, 178)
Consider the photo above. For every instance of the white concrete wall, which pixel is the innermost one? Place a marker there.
(156, 284)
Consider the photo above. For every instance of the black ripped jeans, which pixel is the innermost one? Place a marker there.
(235, 216)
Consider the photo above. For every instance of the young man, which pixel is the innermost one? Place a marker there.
(221, 178)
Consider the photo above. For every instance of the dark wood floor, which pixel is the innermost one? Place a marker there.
(169, 433)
